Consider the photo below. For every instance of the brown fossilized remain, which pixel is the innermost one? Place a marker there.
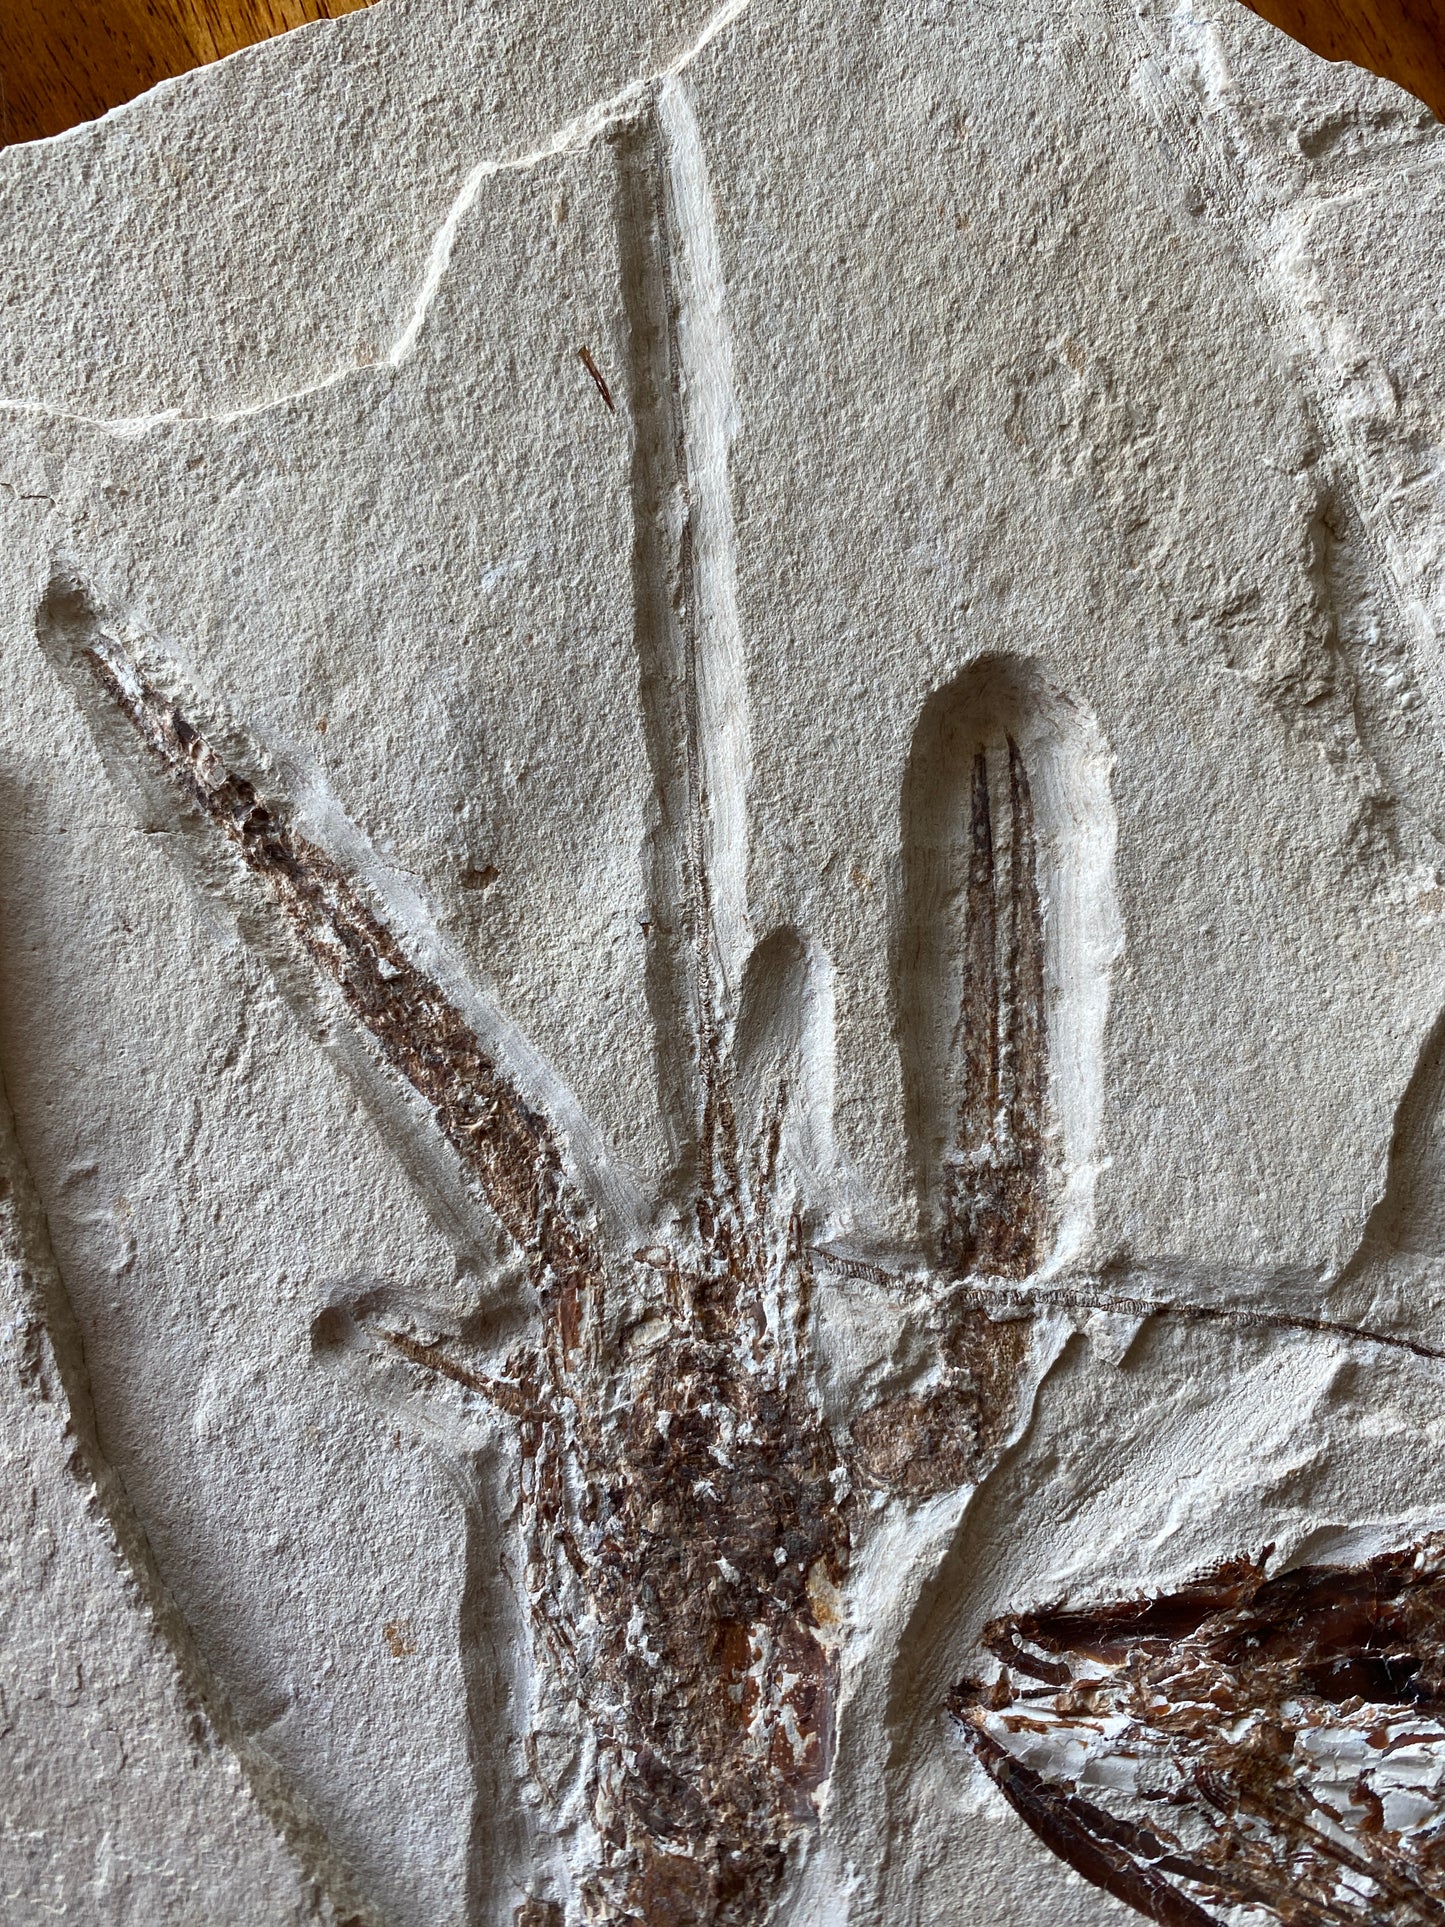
(1269, 1745)
(936, 1440)
(687, 1514)
(687, 1519)
(995, 1201)
(995, 1179)
(687, 1511)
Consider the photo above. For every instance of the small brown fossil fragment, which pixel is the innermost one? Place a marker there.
(538, 1913)
(927, 1442)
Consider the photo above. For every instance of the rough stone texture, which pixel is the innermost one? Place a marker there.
(698, 1030)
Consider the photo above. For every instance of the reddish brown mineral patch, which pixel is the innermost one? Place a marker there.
(399, 1637)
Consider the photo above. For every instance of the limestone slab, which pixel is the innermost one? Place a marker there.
(722, 959)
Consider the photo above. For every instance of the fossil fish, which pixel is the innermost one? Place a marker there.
(1249, 1748)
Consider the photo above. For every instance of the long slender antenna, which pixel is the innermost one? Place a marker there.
(995, 1203)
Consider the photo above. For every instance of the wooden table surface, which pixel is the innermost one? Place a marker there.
(65, 61)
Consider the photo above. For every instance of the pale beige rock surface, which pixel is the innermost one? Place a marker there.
(1103, 345)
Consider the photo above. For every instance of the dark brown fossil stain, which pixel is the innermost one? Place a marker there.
(685, 1509)
(937, 1440)
(1247, 1742)
(995, 1202)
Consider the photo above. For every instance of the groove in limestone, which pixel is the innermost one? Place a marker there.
(716, 675)
(591, 125)
(55, 1341)
(687, 630)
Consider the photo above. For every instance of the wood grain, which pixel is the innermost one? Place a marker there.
(67, 61)
(1401, 40)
